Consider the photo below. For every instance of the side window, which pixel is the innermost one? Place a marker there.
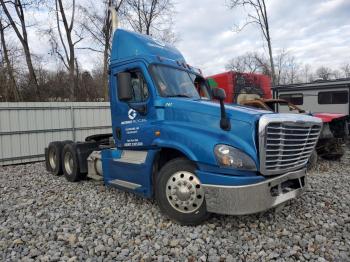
(296, 99)
(324, 98)
(201, 86)
(139, 87)
(333, 97)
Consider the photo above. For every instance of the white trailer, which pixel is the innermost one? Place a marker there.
(319, 96)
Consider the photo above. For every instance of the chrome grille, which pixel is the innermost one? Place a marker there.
(286, 141)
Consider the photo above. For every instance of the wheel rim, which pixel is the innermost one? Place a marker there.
(184, 192)
(68, 163)
(52, 158)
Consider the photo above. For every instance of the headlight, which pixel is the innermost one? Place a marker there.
(229, 156)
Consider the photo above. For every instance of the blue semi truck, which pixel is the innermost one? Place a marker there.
(194, 156)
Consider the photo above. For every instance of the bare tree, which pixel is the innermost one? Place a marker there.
(305, 73)
(324, 72)
(3, 87)
(3, 75)
(69, 37)
(11, 89)
(152, 17)
(280, 77)
(17, 21)
(346, 70)
(287, 68)
(98, 26)
(259, 17)
(293, 70)
(263, 63)
(250, 63)
(244, 63)
(336, 73)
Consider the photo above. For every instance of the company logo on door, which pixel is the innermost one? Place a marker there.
(132, 114)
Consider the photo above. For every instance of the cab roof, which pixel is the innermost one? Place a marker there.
(127, 44)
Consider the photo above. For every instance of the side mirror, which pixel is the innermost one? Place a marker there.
(219, 93)
(124, 86)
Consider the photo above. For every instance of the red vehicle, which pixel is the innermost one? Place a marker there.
(242, 86)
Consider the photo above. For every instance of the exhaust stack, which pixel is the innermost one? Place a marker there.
(114, 19)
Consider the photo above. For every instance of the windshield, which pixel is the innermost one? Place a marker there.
(172, 82)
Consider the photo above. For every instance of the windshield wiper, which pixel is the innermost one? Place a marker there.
(179, 95)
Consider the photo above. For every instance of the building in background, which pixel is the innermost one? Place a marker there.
(330, 96)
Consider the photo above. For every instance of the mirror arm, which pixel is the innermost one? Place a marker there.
(225, 123)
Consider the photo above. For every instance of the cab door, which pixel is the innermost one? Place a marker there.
(132, 120)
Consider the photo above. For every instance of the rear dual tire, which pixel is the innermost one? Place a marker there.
(70, 163)
(179, 193)
(53, 158)
(61, 158)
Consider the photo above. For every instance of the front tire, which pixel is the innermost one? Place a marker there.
(179, 193)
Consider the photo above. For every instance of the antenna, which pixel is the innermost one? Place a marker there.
(114, 18)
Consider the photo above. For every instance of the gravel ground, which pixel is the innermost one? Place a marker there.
(47, 218)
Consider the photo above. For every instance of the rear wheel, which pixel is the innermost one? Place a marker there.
(53, 158)
(179, 192)
(70, 163)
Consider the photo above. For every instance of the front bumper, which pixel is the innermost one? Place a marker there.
(254, 198)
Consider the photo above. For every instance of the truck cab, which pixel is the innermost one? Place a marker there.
(193, 155)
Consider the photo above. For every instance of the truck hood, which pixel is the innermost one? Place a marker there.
(196, 123)
(212, 108)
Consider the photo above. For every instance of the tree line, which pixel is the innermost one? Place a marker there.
(282, 67)
(73, 27)
(287, 69)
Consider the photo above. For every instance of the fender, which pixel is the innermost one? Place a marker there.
(175, 145)
(84, 149)
(198, 143)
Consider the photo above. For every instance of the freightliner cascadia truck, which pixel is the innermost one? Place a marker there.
(194, 156)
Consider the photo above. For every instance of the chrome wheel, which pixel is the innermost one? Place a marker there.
(184, 192)
(52, 158)
(68, 162)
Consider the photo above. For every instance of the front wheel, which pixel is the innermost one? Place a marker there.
(179, 193)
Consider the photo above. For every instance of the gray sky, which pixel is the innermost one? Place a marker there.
(316, 32)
